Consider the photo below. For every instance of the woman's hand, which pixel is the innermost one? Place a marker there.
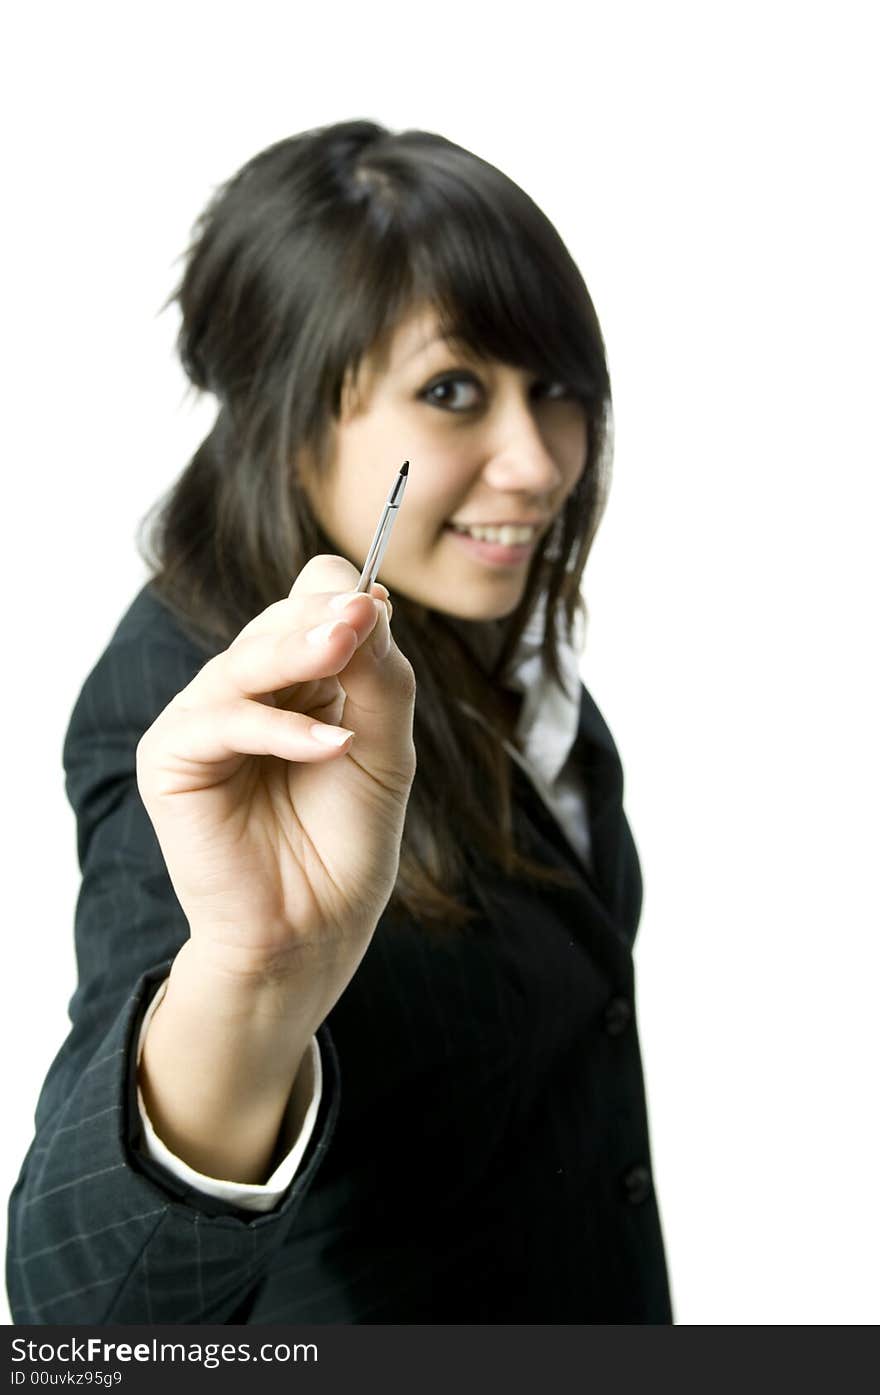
(284, 851)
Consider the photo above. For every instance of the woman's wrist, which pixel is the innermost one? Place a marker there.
(241, 986)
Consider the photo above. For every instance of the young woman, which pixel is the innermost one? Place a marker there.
(354, 1037)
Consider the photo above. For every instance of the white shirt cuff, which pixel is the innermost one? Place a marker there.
(251, 1196)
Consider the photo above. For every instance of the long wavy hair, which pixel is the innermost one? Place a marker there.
(299, 264)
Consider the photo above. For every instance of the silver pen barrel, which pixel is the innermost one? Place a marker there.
(383, 531)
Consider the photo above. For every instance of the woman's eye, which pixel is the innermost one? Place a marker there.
(461, 393)
(444, 393)
(555, 390)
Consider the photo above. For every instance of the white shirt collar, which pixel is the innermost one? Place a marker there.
(549, 718)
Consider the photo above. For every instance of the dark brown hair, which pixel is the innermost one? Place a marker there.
(300, 263)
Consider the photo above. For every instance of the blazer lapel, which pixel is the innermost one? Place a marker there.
(614, 887)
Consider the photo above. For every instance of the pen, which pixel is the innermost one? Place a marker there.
(383, 532)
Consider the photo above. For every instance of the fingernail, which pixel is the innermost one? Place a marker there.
(381, 637)
(329, 736)
(322, 633)
(340, 602)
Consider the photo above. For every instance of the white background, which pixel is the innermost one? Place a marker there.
(713, 170)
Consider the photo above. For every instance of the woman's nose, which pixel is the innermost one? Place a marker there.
(520, 456)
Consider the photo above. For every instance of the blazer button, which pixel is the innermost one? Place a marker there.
(637, 1185)
(617, 1016)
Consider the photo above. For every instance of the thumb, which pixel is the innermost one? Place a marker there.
(379, 687)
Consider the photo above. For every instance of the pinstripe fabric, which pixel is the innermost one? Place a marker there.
(481, 1116)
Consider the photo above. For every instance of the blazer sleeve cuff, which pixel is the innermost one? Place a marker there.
(174, 1186)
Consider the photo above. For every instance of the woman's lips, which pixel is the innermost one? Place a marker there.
(496, 554)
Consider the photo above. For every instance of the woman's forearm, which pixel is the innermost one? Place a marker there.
(219, 1062)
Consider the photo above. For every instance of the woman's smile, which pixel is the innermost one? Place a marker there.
(500, 550)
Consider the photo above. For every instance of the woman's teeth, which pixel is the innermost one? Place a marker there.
(508, 535)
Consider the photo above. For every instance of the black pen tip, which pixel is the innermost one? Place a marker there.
(404, 469)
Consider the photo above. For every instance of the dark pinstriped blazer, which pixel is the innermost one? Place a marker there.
(481, 1153)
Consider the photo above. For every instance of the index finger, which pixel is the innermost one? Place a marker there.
(326, 574)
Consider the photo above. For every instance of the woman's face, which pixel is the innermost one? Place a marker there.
(488, 446)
